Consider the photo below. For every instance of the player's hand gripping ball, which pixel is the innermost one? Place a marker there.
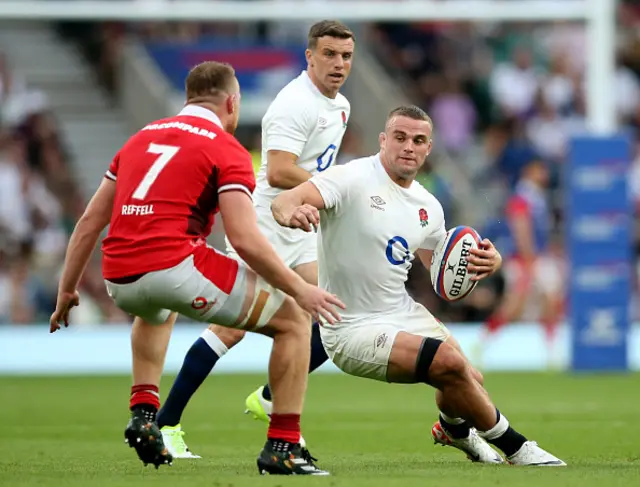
(450, 276)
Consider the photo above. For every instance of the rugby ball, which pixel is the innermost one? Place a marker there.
(449, 276)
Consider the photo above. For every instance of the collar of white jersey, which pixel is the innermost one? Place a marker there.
(307, 79)
(196, 111)
(384, 174)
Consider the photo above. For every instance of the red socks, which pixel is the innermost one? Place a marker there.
(494, 323)
(285, 427)
(144, 394)
(550, 330)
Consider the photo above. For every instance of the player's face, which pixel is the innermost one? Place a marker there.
(404, 146)
(541, 175)
(330, 63)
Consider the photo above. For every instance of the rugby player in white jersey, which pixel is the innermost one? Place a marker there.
(301, 134)
(384, 334)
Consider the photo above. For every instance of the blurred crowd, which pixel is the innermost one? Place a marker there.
(501, 96)
(39, 205)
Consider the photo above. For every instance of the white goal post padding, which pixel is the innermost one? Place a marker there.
(599, 15)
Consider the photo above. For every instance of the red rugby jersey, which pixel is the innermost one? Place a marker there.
(168, 178)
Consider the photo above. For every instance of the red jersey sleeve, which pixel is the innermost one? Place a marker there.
(236, 169)
(112, 172)
(517, 207)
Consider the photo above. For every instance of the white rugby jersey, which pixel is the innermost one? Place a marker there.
(368, 234)
(303, 121)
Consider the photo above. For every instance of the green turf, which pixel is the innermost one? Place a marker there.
(68, 432)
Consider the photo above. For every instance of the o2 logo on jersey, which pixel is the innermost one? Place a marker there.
(326, 158)
(201, 304)
(398, 251)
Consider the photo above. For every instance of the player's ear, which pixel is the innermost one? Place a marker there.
(429, 146)
(382, 138)
(307, 55)
(230, 104)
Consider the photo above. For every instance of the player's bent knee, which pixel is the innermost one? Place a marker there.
(229, 336)
(477, 375)
(444, 366)
(289, 319)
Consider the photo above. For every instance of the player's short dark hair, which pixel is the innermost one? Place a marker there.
(410, 111)
(328, 28)
(209, 79)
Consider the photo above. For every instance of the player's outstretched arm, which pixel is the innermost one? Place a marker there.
(81, 244)
(240, 223)
(298, 207)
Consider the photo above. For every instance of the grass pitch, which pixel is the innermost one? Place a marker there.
(68, 432)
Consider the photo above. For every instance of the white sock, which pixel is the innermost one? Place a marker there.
(451, 420)
(497, 431)
(214, 342)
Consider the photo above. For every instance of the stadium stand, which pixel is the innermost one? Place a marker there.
(42, 185)
(459, 72)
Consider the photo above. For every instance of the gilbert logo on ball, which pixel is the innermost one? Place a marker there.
(450, 277)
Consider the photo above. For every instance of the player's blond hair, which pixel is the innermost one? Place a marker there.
(328, 28)
(209, 80)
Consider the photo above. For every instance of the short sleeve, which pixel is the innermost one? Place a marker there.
(517, 207)
(287, 127)
(112, 172)
(335, 185)
(236, 169)
(439, 229)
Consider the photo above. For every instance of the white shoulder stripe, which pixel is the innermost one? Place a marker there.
(234, 187)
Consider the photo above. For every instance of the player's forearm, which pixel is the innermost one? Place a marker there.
(522, 237)
(425, 257)
(258, 253)
(284, 204)
(81, 245)
(287, 177)
(524, 245)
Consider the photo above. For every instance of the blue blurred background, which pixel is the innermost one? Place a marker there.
(501, 95)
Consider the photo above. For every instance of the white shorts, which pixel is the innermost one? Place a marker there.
(206, 286)
(293, 246)
(545, 278)
(363, 348)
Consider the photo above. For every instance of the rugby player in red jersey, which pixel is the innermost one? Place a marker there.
(159, 197)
